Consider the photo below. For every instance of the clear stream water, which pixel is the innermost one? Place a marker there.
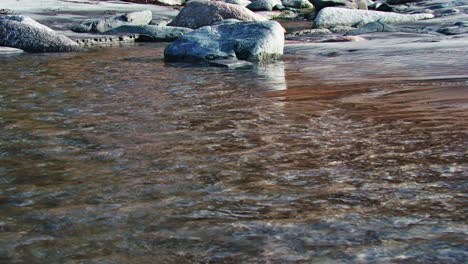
(113, 156)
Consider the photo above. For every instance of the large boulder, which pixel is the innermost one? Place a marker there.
(265, 5)
(332, 17)
(231, 39)
(106, 24)
(151, 32)
(199, 13)
(22, 32)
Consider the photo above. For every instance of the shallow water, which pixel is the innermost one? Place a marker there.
(113, 156)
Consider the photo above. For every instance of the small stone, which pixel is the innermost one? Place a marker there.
(230, 64)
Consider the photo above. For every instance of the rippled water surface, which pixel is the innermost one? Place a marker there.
(113, 156)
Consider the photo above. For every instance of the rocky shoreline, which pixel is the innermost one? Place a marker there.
(205, 30)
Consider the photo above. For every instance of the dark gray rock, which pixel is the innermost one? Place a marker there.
(106, 24)
(151, 32)
(22, 32)
(250, 41)
(265, 5)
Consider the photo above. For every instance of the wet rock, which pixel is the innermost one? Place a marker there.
(199, 13)
(265, 5)
(250, 41)
(296, 3)
(332, 17)
(24, 33)
(106, 24)
(239, 2)
(230, 63)
(151, 32)
(371, 28)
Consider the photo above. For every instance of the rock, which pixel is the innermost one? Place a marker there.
(151, 32)
(384, 7)
(288, 14)
(169, 2)
(371, 28)
(8, 51)
(296, 3)
(238, 2)
(199, 13)
(265, 5)
(22, 32)
(251, 41)
(341, 29)
(317, 31)
(352, 4)
(401, 2)
(230, 63)
(345, 39)
(456, 29)
(102, 25)
(331, 17)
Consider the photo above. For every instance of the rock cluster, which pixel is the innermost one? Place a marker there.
(106, 24)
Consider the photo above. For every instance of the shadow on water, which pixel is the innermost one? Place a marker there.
(114, 156)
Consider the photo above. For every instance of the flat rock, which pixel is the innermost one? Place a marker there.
(151, 32)
(199, 13)
(332, 17)
(106, 24)
(251, 41)
(24, 33)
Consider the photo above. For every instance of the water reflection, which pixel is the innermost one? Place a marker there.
(273, 75)
(114, 156)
